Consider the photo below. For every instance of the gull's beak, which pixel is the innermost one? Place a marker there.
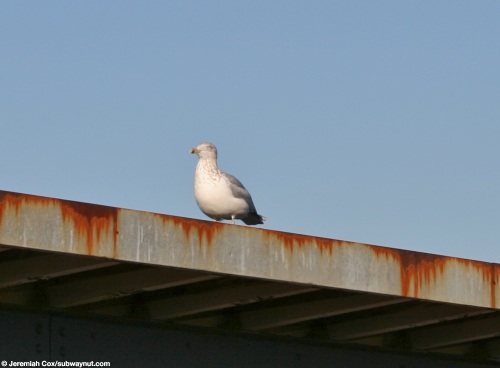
(194, 150)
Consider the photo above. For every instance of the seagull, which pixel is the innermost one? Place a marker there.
(219, 195)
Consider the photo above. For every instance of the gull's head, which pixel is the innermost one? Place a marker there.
(205, 150)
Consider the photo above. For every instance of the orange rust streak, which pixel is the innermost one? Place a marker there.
(416, 269)
(494, 284)
(328, 245)
(421, 269)
(15, 200)
(88, 219)
(204, 229)
(290, 241)
(92, 219)
(490, 273)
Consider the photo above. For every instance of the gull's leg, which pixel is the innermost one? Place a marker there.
(232, 216)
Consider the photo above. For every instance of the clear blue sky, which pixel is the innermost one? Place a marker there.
(370, 121)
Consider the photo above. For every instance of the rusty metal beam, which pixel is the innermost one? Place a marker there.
(127, 235)
(47, 266)
(121, 284)
(489, 349)
(295, 313)
(221, 298)
(455, 333)
(416, 316)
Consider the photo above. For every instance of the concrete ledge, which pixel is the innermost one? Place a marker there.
(128, 235)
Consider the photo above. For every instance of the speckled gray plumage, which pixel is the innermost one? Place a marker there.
(219, 195)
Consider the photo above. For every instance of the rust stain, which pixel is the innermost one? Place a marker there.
(416, 269)
(490, 273)
(204, 229)
(496, 283)
(288, 241)
(15, 201)
(419, 270)
(89, 220)
(291, 241)
(495, 272)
